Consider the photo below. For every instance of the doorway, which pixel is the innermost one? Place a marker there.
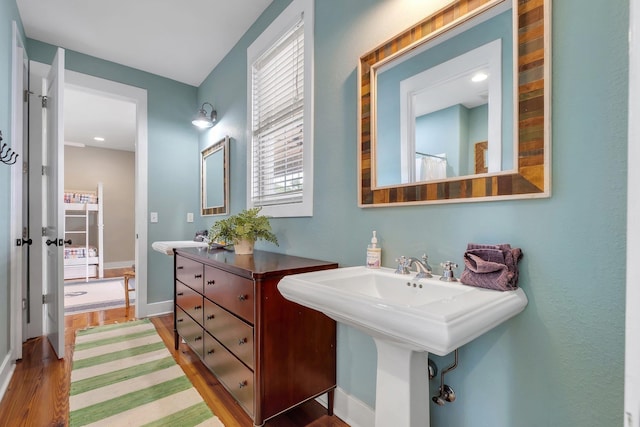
(113, 90)
(99, 199)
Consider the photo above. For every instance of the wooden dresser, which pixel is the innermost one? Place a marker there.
(271, 354)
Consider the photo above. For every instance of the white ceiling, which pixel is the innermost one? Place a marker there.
(182, 40)
(179, 39)
(89, 115)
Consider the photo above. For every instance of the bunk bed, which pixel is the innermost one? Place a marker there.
(84, 226)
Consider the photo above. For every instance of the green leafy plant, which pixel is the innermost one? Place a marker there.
(248, 225)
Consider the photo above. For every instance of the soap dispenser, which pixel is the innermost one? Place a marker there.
(374, 253)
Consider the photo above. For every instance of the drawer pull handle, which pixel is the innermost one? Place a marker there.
(243, 384)
(180, 320)
(197, 276)
(197, 307)
(242, 341)
(180, 267)
(211, 282)
(198, 338)
(211, 351)
(211, 317)
(242, 297)
(180, 294)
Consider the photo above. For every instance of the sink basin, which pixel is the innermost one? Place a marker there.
(423, 315)
(408, 319)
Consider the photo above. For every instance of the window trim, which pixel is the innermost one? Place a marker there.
(263, 42)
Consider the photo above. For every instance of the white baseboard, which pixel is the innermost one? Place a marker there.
(6, 372)
(157, 309)
(350, 410)
(118, 264)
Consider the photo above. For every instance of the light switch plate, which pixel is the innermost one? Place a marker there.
(154, 216)
(190, 217)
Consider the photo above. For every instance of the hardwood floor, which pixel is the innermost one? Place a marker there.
(38, 392)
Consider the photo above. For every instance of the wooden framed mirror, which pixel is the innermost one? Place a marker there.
(518, 164)
(214, 178)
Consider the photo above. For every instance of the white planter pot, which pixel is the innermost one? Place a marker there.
(243, 247)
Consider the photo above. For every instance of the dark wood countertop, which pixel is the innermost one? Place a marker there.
(260, 265)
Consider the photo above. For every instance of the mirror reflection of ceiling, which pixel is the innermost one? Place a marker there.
(461, 90)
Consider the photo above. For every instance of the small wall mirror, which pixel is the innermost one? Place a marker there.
(214, 178)
(455, 108)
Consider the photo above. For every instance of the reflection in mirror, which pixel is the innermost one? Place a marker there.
(442, 115)
(214, 178)
(436, 103)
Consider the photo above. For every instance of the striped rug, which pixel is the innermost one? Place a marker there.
(123, 375)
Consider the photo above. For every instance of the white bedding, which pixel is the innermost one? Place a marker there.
(166, 247)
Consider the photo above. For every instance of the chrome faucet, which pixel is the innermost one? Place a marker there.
(422, 266)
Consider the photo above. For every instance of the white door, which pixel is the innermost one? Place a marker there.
(19, 180)
(53, 184)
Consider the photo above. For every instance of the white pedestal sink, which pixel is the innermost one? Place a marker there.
(407, 319)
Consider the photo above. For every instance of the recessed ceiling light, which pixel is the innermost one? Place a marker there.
(479, 77)
(98, 138)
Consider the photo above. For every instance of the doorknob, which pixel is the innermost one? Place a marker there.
(20, 242)
(52, 242)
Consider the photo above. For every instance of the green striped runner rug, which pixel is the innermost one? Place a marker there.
(123, 375)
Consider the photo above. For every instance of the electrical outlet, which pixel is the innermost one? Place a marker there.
(190, 217)
(154, 216)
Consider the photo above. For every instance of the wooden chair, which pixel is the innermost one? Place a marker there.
(129, 274)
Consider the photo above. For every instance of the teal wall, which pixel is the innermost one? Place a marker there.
(445, 132)
(8, 13)
(173, 155)
(560, 362)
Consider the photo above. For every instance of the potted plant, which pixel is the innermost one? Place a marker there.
(242, 230)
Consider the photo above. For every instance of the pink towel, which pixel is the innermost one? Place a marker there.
(491, 266)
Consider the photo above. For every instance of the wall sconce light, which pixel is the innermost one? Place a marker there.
(204, 120)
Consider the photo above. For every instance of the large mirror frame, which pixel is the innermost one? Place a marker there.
(220, 147)
(532, 112)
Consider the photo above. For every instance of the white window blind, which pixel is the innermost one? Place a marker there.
(277, 126)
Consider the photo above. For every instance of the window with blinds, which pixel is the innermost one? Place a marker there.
(278, 121)
(280, 139)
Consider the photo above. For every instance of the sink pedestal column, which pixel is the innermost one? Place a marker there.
(402, 386)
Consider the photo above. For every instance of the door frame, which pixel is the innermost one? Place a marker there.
(18, 84)
(632, 327)
(138, 96)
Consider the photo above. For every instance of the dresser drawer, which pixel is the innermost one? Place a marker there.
(232, 292)
(190, 301)
(236, 377)
(191, 331)
(232, 332)
(189, 272)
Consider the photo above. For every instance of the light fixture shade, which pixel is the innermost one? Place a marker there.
(204, 120)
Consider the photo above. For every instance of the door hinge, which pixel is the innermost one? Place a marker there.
(25, 232)
(44, 101)
(24, 303)
(44, 170)
(44, 231)
(25, 167)
(44, 298)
